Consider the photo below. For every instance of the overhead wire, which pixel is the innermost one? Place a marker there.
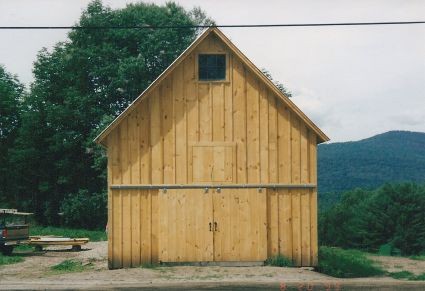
(208, 26)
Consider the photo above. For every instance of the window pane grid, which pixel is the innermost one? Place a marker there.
(212, 67)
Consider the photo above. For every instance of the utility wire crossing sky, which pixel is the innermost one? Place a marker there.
(222, 25)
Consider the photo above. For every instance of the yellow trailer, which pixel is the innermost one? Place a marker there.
(43, 241)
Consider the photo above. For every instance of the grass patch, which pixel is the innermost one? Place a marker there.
(93, 235)
(23, 248)
(401, 275)
(163, 270)
(420, 277)
(341, 263)
(406, 275)
(279, 261)
(69, 266)
(418, 258)
(7, 260)
(208, 277)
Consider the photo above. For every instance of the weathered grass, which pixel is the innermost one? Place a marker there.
(342, 263)
(150, 266)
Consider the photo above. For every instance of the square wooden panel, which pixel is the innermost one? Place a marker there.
(213, 162)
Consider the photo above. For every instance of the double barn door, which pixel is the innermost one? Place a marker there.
(215, 225)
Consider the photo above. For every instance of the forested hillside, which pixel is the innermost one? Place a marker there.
(394, 156)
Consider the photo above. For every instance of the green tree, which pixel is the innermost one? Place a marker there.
(341, 224)
(396, 216)
(11, 94)
(80, 86)
(392, 216)
(85, 210)
(278, 84)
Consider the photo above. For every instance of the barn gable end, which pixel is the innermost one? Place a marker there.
(240, 134)
(226, 44)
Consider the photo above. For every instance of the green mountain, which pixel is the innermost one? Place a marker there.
(394, 156)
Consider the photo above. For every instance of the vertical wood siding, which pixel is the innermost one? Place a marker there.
(133, 237)
(154, 145)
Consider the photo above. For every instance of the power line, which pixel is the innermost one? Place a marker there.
(207, 26)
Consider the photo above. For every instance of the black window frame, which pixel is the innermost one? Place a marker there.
(212, 67)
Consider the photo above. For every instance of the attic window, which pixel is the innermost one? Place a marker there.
(212, 67)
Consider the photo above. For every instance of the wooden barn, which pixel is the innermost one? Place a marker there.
(211, 163)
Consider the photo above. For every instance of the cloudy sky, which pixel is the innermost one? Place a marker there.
(354, 82)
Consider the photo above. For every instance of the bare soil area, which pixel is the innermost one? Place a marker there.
(35, 273)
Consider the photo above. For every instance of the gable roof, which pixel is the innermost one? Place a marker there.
(321, 136)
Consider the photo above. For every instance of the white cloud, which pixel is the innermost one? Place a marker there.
(411, 118)
(312, 104)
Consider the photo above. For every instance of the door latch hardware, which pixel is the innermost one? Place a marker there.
(210, 226)
(215, 226)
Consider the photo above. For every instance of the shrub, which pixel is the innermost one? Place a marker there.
(341, 263)
(388, 250)
(279, 261)
(85, 210)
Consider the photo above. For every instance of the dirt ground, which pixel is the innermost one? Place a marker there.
(35, 273)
